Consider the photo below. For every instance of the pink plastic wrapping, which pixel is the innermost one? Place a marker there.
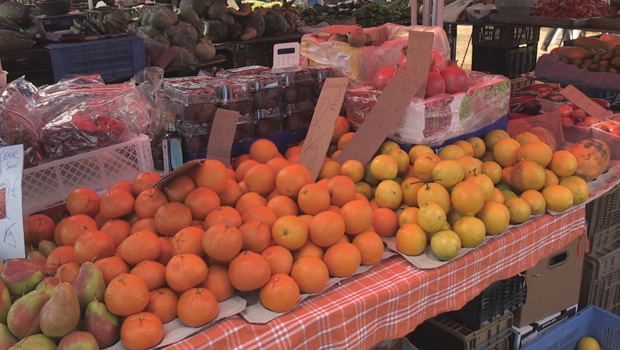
(362, 63)
(433, 120)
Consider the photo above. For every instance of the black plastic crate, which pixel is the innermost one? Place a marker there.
(450, 29)
(603, 218)
(498, 299)
(240, 55)
(502, 36)
(600, 281)
(447, 333)
(508, 62)
(33, 63)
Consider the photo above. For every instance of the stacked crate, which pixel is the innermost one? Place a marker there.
(504, 49)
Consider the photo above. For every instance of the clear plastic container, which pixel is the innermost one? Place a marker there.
(268, 121)
(192, 99)
(318, 79)
(247, 70)
(245, 128)
(296, 85)
(194, 139)
(297, 116)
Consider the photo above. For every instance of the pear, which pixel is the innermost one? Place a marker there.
(21, 275)
(102, 324)
(23, 317)
(5, 302)
(37, 342)
(6, 338)
(48, 284)
(46, 247)
(61, 314)
(89, 284)
(78, 340)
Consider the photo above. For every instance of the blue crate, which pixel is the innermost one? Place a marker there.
(592, 321)
(112, 58)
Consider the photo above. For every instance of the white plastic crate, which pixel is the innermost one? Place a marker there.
(47, 185)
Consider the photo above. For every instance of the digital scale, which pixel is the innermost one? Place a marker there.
(286, 57)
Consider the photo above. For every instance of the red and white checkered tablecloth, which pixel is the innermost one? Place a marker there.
(393, 297)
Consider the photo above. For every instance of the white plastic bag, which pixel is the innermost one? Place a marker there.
(452, 11)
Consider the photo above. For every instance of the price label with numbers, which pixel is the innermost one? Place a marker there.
(11, 218)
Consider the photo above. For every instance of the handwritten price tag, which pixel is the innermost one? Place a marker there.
(222, 135)
(322, 125)
(11, 218)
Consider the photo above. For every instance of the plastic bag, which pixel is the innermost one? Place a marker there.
(452, 11)
(360, 64)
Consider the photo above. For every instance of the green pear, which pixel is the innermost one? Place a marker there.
(102, 324)
(38, 257)
(46, 247)
(61, 314)
(78, 340)
(37, 342)
(89, 284)
(23, 317)
(21, 275)
(5, 302)
(6, 338)
(48, 284)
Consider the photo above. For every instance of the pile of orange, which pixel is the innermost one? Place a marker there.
(262, 224)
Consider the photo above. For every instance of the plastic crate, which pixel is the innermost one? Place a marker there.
(511, 62)
(33, 63)
(506, 37)
(450, 29)
(600, 282)
(603, 218)
(240, 55)
(591, 321)
(112, 58)
(57, 23)
(447, 333)
(47, 185)
(520, 82)
(498, 299)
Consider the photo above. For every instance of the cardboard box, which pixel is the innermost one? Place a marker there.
(553, 284)
(521, 336)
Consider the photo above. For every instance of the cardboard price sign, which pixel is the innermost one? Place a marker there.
(322, 125)
(419, 55)
(584, 102)
(222, 135)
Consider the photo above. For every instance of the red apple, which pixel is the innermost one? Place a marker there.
(565, 110)
(590, 120)
(568, 120)
(578, 115)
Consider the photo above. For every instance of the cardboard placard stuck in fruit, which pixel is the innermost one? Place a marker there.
(419, 47)
(390, 107)
(322, 125)
(11, 219)
(584, 102)
(222, 135)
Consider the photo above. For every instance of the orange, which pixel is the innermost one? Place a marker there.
(262, 150)
(277, 163)
(212, 174)
(197, 307)
(467, 197)
(152, 272)
(471, 231)
(354, 169)
(341, 190)
(506, 151)
(411, 239)
(448, 173)
(93, 245)
(478, 146)
(38, 227)
(424, 165)
(410, 188)
(385, 222)
(563, 163)
(68, 272)
(357, 215)
(408, 216)
(163, 304)
(326, 228)
(384, 167)
(291, 178)
(370, 245)
(280, 259)
(342, 259)
(342, 127)
(519, 209)
(402, 159)
(187, 240)
(143, 224)
(329, 169)
(249, 271)
(526, 137)
(471, 166)
(308, 249)
(344, 139)
(466, 147)
(230, 194)
(431, 217)
(166, 250)
(177, 189)
(185, 271)
(417, 150)
(283, 205)
(313, 198)
(126, 294)
(256, 236)
(491, 138)
(70, 228)
(550, 178)
(445, 244)
(243, 168)
(436, 193)
(389, 194)
(536, 151)
(141, 331)
(117, 229)
(527, 175)
(261, 213)
(112, 267)
(239, 159)
(495, 216)
(222, 242)
(83, 201)
(493, 171)
(536, 201)
(451, 152)
(578, 187)
(369, 178)
(142, 245)
(280, 294)
(116, 204)
(225, 215)
(310, 273)
(218, 283)
(387, 146)
(122, 185)
(485, 183)
(559, 198)
(498, 196)
(143, 181)
(290, 232)
(171, 217)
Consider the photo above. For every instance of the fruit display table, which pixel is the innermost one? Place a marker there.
(393, 297)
